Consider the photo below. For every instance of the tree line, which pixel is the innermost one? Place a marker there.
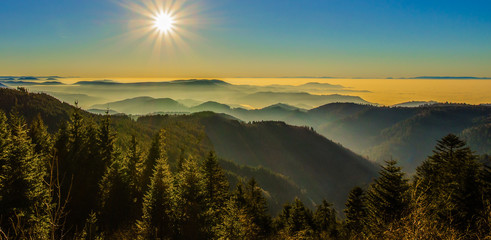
(80, 184)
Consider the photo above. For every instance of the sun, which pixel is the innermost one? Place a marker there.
(163, 22)
(164, 26)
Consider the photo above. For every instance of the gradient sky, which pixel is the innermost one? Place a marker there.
(252, 38)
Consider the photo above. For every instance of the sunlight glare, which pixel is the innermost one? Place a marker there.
(164, 22)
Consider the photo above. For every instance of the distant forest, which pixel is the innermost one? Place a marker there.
(86, 181)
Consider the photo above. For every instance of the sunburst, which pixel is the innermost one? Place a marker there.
(165, 24)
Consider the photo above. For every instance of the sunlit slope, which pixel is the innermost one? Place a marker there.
(185, 137)
(322, 167)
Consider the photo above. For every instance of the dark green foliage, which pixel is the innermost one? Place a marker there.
(158, 205)
(191, 203)
(156, 152)
(24, 197)
(40, 137)
(236, 224)
(450, 185)
(325, 220)
(133, 171)
(250, 198)
(105, 141)
(311, 161)
(81, 167)
(387, 197)
(280, 188)
(356, 212)
(116, 202)
(5, 143)
(215, 192)
(295, 221)
(123, 187)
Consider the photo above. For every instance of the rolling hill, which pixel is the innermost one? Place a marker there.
(287, 161)
(313, 162)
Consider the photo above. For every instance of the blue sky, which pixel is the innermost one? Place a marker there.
(253, 38)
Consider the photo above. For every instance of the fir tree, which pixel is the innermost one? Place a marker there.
(105, 140)
(236, 224)
(191, 202)
(297, 221)
(387, 198)
(356, 212)
(215, 191)
(40, 137)
(133, 171)
(158, 205)
(449, 183)
(256, 207)
(156, 152)
(5, 142)
(325, 220)
(115, 199)
(24, 196)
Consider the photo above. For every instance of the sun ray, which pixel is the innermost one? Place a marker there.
(165, 25)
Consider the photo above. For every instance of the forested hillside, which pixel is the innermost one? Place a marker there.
(87, 180)
(375, 132)
(185, 135)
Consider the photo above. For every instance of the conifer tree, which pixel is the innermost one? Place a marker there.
(215, 191)
(236, 224)
(158, 205)
(23, 196)
(256, 206)
(156, 152)
(326, 221)
(449, 183)
(387, 198)
(40, 137)
(133, 171)
(115, 199)
(82, 169)
(105, 140)
(5, 143)
(297, 220)
(191, 208)
(356, 212)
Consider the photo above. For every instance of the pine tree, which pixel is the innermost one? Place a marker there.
(216, 191)
(256, 207)
(326, 221)
(236, 224)
(156, 152)
(24, 196)
(158, 205)
(40, 137)
(81, 168)
(449, 183)
(191, 202)
(105, 140)
(115, 199)
(387, 198)
(5, 142)
(356, 212)
(298, 221)
(133, 170)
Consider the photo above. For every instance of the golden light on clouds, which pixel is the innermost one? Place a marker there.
(164, 26)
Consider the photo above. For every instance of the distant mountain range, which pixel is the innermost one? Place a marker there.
(307, 95)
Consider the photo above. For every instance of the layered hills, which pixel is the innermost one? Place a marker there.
(378, 133)
(287, 161)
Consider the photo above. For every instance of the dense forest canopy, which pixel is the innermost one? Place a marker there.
(97, 177)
